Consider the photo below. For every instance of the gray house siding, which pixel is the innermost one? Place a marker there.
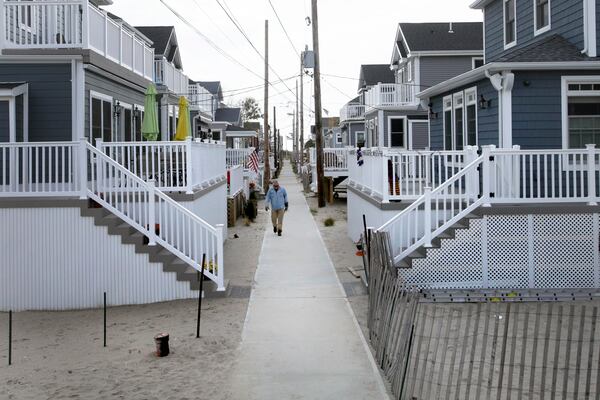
(4, 122)
(97, 83)
(537, 112)
(487, 119)
(351, 129)
(420, 135)
(435, 70)
(566, 20)
(408, 114)
(49, 98)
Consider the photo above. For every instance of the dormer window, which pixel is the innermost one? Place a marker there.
(510, 23)
(541, 15)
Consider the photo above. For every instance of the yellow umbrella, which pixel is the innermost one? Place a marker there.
(184, 129)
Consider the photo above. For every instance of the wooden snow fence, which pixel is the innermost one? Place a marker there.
(494, 350)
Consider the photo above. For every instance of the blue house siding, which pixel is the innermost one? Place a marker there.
(566, 20)
(537, 108)
(4, 122)
(487, 119)
(49, 98)
(354, 127)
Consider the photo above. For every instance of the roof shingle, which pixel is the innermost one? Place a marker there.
(464, 36)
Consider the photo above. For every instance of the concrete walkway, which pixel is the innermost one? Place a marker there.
(300, 338)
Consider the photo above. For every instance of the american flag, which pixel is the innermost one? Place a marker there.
(253, 161)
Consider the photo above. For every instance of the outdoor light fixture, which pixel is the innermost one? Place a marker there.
(432, 115)
(117, 109)
(136, 111)
(483, 103)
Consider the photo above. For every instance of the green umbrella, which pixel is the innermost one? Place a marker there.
(150, 123)
(184, 129)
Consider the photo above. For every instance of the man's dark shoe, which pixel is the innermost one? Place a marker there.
(278, 233)
(274, 229)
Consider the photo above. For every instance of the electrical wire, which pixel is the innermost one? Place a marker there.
(284, 30)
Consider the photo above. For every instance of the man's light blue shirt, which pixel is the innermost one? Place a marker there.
(277, 198)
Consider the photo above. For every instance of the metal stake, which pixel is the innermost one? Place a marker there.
(201, 278)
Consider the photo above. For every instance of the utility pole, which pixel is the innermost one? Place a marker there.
(275, 139)
(267, 171)
(302, 110)
(318, 115)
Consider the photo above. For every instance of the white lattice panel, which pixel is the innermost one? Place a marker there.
(456, 264)
(564, 251)
(507, 251)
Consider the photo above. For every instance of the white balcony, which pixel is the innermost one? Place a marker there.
(73, 24)
(166, 74)
(200, 98)
(352, 112)
(391, 95)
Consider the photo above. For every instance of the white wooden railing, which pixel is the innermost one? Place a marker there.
(165, 73)
(352, 111)
(235, 179)
(391, 95)
(238, 157)
(173, 166)
(435, 211)
(39, 169)
(78, 169)
(498, 176)
(402, 174)
(42, 24)
(200, 98)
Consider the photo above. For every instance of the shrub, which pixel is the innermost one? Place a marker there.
(329, 222)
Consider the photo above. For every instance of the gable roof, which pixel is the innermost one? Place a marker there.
(372, 74)
(231, 115)
(213, 87)
(160, 35)
(550, 48)
(465, 36)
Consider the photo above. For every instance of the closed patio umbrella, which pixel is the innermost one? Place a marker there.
(150, 123)
(184, 129)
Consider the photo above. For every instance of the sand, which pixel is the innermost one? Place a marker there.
(60, 355)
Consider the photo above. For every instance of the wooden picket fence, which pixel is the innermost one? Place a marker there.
(503, 350)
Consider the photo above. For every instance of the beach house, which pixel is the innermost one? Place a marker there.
(508, 197)
(87, 205)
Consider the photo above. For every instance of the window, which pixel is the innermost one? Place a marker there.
(510, 23)
(459, 121)
(338, 138)
(471, 117)
(216, 135)
(448, 131)
(397, 132)
(477, 62)
(581, 112)
(360, 139)
(541, 10)
(101, 115)
(409, 71)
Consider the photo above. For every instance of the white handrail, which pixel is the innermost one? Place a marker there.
(154, 214)
(435, 211)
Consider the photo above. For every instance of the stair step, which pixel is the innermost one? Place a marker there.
(404, 264)
(420, 253)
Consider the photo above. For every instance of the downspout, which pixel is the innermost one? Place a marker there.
(589, 28)
(585, 27)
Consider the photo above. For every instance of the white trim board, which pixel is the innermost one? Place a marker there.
(565, 81)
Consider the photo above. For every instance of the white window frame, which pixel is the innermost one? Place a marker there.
(474, 59)
(356, 138)
(473, 93)
(101, 97)
(458, 103)
(119, 132)
(514, 42)
(543, 29)
(409, 71)
(565, 94)
(447, 104)
(404, 128)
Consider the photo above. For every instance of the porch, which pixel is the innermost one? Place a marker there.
(391, 95)
(74, 24)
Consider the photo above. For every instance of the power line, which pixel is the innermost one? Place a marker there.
(284, 30)
(212, 22)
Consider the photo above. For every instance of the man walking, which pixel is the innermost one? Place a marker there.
(277, 198)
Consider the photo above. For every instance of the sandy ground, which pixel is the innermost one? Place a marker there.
(60, 355)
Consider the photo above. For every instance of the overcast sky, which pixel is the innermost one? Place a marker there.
(352, 32)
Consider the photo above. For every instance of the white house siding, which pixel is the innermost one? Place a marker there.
(54, 259)
(357, 206)
(211, 206)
